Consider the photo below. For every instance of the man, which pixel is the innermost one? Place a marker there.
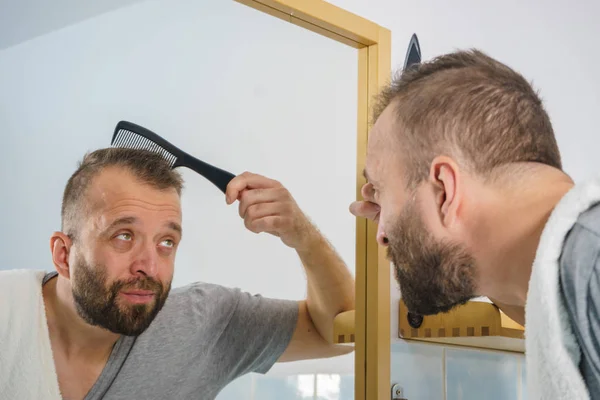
(464, 178)
(115, 328)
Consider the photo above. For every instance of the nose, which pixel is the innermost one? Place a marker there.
(381, 236)
(146, 261)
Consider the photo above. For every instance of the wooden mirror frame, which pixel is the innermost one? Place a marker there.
(368, 326)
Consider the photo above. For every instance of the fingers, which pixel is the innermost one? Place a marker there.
(367, 191)
(273, 224)
(247, 180)
(261, 210)
(274, 217)
(365, 209)
(249, 198)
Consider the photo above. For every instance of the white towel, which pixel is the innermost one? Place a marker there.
(552, 351)
(27, 370)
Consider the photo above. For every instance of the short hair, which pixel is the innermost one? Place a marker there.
(147, 166)
(470, 106)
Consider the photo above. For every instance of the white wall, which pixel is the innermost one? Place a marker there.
(233, 86)
(25, 19)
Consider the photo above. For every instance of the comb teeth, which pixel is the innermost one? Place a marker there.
(132, 140)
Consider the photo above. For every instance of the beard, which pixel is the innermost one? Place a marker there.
(98, 303)
(434, 276)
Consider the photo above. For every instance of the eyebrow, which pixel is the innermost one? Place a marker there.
(132, 220)
(176, 227)
(120, 221)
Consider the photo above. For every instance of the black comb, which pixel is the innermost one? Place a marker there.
(413, 53)
(132, 136)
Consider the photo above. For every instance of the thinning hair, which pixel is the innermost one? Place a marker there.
(470, 107)
(147, 166)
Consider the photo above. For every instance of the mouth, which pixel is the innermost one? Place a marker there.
(138, 296)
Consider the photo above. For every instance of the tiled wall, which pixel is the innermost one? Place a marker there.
(294, 387)
(450, 373)
(424, 371)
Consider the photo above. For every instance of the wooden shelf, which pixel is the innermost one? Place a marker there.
(475, 324)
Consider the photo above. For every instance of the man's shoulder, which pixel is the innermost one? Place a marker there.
(582, 242)
(579, 264)
(581, 248)
(205, 308)
(580, 287)
(579, 261)
(214, 299)
(196, 308)
(204, 294)
(217, 302)
(589, 220)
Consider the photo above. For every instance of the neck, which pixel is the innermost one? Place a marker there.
(507, 239)
(68, 331)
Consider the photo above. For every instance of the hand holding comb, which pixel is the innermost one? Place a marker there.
(132, 136)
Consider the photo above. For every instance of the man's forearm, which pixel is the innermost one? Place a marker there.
(330, 283)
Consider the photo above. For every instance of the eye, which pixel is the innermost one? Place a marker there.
(124, 236)
(168, 243)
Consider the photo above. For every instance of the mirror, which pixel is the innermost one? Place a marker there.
(234, 87)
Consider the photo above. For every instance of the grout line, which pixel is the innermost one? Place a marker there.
(316, 391)
(444, 375)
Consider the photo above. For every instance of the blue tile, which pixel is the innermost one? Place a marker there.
(473, 374)
(418, 369)
(347, 387)
(256, 386)
(294, 387)
(335, 387)
(238, 389)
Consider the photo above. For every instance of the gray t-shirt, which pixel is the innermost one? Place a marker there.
(580, 283)
(205, 336)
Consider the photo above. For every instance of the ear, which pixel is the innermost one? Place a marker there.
(445, 177)
(60, 246)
